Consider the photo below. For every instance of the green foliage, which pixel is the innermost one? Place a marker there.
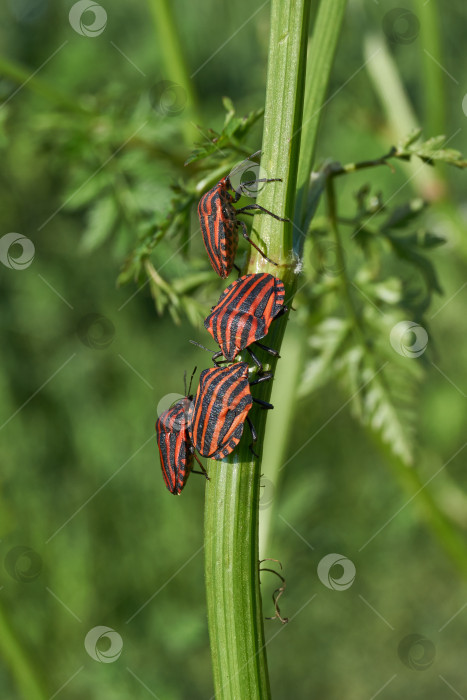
(75, 448)
(430, 151)
(177, 225)
(383, 272)
(232, 136)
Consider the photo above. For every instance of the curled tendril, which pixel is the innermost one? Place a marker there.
(277, 593)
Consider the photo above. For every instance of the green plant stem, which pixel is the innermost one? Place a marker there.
(232, 496)
(433, 77)
(20, 665)
(341, 263)
(321, 55)
(174, 62)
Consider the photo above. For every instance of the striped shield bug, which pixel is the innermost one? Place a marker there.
(176, 449)
(219, 223)
(244, 313)
(221, 408)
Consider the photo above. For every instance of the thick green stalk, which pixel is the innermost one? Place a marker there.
(433, 76)
(174, 62)
(232, 496)
(15, 659)
(321, 55)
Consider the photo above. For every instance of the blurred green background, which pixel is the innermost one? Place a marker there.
(84, 365)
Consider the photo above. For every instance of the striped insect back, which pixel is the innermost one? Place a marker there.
(218, 224)
(175, 446)
(245, 311)
(221, 408)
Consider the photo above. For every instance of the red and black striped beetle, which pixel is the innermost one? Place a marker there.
(244, 313)
(219, 224)
(221, 408)
(176, 449)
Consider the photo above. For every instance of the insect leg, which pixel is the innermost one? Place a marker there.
(254, 436)
(246, 237)
(263, 404)
(203, 470)
(266, 376)
(255, 360)
(266, 348)
(258, 206)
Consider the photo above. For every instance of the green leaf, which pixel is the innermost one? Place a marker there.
(430, 151)
(405, 248)
(101, 221)
(404, 214)
(232, 135)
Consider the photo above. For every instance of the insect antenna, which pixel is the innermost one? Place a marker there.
(214, 353)
(191, 380)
